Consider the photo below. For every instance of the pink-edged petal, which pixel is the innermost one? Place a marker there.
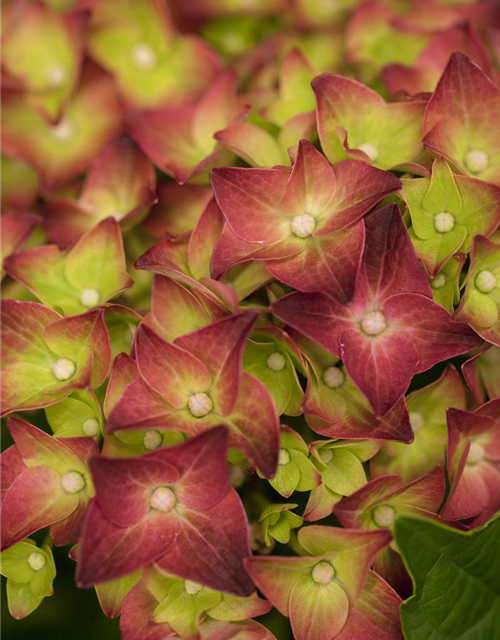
(174, 309)
(68, 531)
(276, 576)
(312, 183)
(382, 367)
(68, 335)
(38, 448)
(124, 486)
(319, 317)
(11, 465)
(390, 263)
(349, 511)
(136, 620)
(220, 346)
(328, 263)
(250, 201)
(461, 117)
(211, 546)
(359, 187)
(140, 408)
(375, 615)
(202, 465)
(172, 371)
(16, 229)
(164, 221)
(203, 239)
(469, 496)
(353, 550)
(338, 99)
(35, 500)
(254, 425)
(108, 552)
(434, 333)
(123, 373)
(121, 177)
(318, 611)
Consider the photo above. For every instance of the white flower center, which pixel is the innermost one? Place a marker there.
(476, 161)
(63, 131)
(200, 404)
(56, 76)
(476, 453)
(37, 560)
(303, 226)
(444, 222)
(162, 499)
(73, 482)
(284, 457)
(374, 323)
(416, 420)
(90, 427)
(384, 516)
(276, 361)
(63, 369)
(89, 298)
(438, 281)
(192, 587)
(370, 150)
(152, 440)
(143, 56)
(485, 281)
(323, 572)
(333, 377)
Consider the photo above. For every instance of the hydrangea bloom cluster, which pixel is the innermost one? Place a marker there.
(251, 315)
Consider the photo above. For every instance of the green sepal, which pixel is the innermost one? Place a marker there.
(182, 610)
(277, 522)
(112, 594)
(26, 587)
(76, 416)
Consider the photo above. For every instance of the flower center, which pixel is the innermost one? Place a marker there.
(323, 572)
(476, 161)
(200, 404)
(89, 298)
(303, 226)
(284, 457)
(333, 377)
(162, 499)
(485, 281)
(438, 281)
(374, 323)
(476, 453)
(383, 516)
(143, 56)
(73, 482)
(192, 587)
(370, 150)
(37, 560)
(90, 427)
(416, 420)
(276, 361)
(444, 222)
(63, 369)
(152, 440)
(56, 76)
(63, 131)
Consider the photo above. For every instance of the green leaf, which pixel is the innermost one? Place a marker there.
(457, 580)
